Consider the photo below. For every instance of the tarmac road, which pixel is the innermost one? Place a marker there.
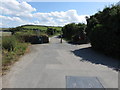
(47, 66)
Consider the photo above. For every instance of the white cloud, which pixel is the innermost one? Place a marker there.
(14, 8)
(11, 21)
(10, 18)
(60, 18)
(16, 13)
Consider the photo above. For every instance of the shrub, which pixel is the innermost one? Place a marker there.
(45, 38)
(8, 57)
(32, 38)
(51, 31)
(8, 43)
(75, 32)
(20, 48)
(103, 29)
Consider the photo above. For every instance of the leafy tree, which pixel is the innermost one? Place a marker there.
(74, 32)
(103, 30)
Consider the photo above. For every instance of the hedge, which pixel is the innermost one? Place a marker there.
(103, 29)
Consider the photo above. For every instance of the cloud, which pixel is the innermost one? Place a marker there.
(14, 8)
(16, 13)
(11, 21)
(60, 18)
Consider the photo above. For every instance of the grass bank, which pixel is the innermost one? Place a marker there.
(12, 49)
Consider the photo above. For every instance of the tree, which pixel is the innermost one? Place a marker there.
(74, 32)
(103, 30)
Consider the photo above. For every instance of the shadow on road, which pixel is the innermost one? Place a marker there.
(87, 54)
(78, 43)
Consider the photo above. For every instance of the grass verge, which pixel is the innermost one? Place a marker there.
(11, 54)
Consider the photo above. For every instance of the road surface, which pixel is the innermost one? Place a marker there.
(47, 66)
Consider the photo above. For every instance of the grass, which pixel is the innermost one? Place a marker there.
(9, 43)
(26, 32)
(36, 27)
(31, 30)
(3, 29)
(56, 34)
(5, 33)
(42, 28)
(12, 49)
(10, 57)
(57, 28)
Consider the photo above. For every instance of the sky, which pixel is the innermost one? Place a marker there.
(15, 13)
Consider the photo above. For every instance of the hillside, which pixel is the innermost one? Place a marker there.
(40, 27)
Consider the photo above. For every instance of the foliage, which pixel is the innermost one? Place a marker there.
(9, 57)
(5, 33)
(74, 32)
(11, 50)
(32, 37)
(14, 30)
(103, 29)
(8, 43)
(44, 38)
(51, 31)
(42, 29)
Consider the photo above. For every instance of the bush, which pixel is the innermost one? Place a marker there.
(8, 57)
(32, 38)
(51, 31)
(77, 39)
(20, 48)
(8, 43)
(75, 32)
(45, 38)
(103, 29)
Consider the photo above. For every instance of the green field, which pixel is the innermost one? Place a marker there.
(57, 28)
(5, 33)
(35, 27)
(44, 28)
(3, 29)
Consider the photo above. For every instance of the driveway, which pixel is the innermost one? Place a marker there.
(48, 65)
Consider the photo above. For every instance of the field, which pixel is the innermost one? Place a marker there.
(5, 33)
(35, 27)
(43, 28)
(3, 29)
